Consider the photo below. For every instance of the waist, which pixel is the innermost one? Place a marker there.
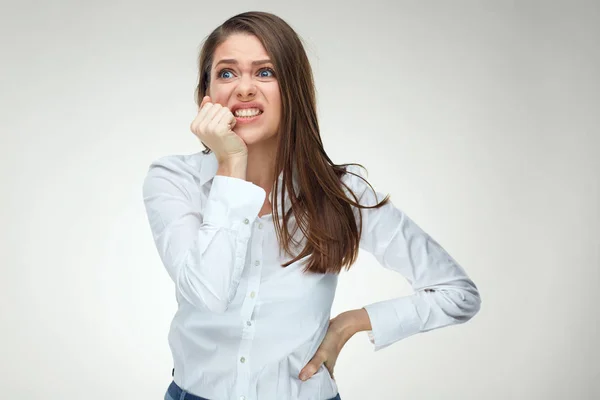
(176, 392)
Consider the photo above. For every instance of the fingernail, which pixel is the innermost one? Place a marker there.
(304, 376)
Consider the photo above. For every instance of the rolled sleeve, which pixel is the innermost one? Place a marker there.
(392, 321)
(202, 244)
(443, 292)
(233, 201)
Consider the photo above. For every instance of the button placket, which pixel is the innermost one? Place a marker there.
(248, 306)
(256, 254)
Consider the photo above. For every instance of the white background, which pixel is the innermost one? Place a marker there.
(480, 118)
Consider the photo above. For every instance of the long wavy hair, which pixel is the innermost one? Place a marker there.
(321, 209)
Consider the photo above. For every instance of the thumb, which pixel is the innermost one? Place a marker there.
(310, 368)
(232, 122)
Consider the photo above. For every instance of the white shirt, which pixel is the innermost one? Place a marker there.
(245, 326)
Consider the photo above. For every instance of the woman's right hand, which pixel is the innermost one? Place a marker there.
(213, 126)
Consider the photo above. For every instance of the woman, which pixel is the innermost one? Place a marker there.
(255, 287)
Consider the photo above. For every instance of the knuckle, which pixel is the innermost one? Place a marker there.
(212, 126)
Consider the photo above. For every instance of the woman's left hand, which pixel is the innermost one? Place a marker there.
(327, 353)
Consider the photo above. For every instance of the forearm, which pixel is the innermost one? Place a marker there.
(353, 321)
(234, 167)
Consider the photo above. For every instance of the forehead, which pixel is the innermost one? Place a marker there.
(244, 48)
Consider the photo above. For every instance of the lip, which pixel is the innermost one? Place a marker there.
(253, 104)
(246, 120)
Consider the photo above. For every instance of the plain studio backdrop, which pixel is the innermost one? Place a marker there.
(479, 118)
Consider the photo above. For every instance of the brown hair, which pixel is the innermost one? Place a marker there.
(322, 211)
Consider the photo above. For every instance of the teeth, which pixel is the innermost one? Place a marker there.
(247, 112)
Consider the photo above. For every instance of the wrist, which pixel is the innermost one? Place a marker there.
(235, 167)
(353, 321)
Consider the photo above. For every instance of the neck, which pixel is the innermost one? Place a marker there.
(261, 165)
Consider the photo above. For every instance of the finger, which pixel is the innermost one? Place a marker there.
(204, 107)
(207, 113)
(226, 117)
(233, 121)
(205, 99)
(330, 369)
(200, 116)
(205, 103)
(212, 118)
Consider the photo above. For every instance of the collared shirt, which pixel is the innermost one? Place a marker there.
(245, 326)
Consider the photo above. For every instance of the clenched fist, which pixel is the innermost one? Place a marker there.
(213, 125)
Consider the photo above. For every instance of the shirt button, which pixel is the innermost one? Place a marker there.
(260, 226)
(242, 398)
(248, 323)
(252, 294)
(243, 359)
(246, 221)
(256, 262)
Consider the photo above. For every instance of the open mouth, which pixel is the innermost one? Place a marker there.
(247, 113)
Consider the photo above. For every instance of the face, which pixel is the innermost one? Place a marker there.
(235, 81)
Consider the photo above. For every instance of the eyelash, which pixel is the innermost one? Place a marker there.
(262, 69)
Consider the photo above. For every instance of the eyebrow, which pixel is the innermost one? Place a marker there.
(234, 61)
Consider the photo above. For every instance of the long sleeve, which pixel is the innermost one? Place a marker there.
(203, 247)
(443, 293)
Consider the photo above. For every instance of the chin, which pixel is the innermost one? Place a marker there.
(252, 137)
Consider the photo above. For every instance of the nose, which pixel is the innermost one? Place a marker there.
(245, 87)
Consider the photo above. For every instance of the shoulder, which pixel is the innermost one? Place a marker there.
(176, 170)
(355, 178)
(178, 163)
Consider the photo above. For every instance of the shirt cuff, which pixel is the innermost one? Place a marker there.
(371, 337)
(233, 201)
(392, 320)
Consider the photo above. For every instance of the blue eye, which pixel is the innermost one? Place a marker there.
(220, 74)
(267, 70)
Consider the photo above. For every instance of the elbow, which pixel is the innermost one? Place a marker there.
(460, 304)
(201, 294)
(206, 289)
(217, 307)
(473, 298)
(467, 300)
(470, 304)
(204, 300)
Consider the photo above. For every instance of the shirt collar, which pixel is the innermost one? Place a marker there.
(209, 166)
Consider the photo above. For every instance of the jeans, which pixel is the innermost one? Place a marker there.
(174, 392)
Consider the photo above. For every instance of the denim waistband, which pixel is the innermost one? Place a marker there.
(175, 392)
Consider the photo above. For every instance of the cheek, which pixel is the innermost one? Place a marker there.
(219, 98)
(218, 95)
(275, 99)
